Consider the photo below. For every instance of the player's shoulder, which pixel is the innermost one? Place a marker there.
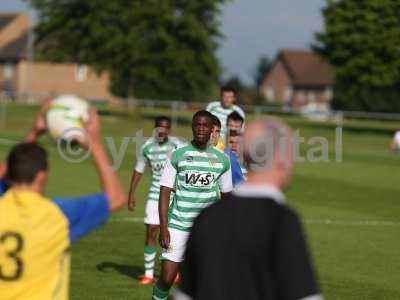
(176, 142)
(229, 153)
(37, 205)
(148, 144)
(238, 109)
(213, 104)
(217, 152)
(220, 155)
(180, 151)
(289, 218)
(3, 187)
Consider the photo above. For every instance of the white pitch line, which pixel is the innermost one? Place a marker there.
(307, 221)
(353, 223)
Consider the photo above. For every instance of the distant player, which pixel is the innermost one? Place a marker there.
(395, 145)
(199, 173)
(234, 144)
(237, 175)
(224, 107)
(233, 141)
(235, 127)
(154, 153)
(36, 232)
(235, 121)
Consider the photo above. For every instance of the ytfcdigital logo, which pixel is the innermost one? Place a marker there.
(313, 149)
(68, 148)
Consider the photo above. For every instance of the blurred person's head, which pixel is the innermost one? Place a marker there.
(228, 96)
(216, 131)
(234, 121)
(202, 125)
(162, 125)
(267, 151)
(27, 167)
(233, 140)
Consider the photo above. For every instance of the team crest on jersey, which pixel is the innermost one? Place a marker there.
(157, 167)
(197, 179)
(189, 158)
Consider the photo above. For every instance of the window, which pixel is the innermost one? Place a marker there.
(8, 71)
(311, 97)
(328, 94)
(270, 93)
(300, 97)
(80, 72)
(288, 93)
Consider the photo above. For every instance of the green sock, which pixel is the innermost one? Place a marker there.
(159, 294)
(149, 260)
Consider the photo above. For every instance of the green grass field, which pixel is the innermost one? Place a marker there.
(350, 210)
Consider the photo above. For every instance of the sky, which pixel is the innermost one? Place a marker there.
(252, 28)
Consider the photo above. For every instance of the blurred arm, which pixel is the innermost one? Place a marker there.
(225, 181)
(39, 126)
(135, 179)
(86, 213)
(237, 174)
(163, 206)
(3, 170)
(108, 178)
(167, 182)
(136, 176)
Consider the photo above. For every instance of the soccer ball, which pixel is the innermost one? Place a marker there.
(64, 117)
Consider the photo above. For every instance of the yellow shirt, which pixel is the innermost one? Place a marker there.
(221, 145)
(34, 262)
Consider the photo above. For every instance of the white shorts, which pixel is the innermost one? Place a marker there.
(151, 216)
(177, 246)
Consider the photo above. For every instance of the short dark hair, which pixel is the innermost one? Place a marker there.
(234, 133)
(24, 161)
(203, 113)
(227, 88)
(216, 121)
(235, 116)
(160, 119)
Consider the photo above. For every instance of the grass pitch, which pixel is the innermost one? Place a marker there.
(350, 209)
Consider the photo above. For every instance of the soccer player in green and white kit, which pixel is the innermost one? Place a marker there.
(223, 108)
(200, 174)
(154, 152)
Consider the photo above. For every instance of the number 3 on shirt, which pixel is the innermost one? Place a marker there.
(11, 244)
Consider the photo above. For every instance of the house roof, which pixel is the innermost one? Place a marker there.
(5, 19)
(307, 68)
(15, 50)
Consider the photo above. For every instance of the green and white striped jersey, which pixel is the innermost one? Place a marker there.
(222, 113)
(198, 177)
(155, 155)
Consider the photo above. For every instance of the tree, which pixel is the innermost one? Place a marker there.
(263, 67)
(362, 40)
(162, 49)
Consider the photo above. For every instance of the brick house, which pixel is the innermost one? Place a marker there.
(22, 78)
(298, 78)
